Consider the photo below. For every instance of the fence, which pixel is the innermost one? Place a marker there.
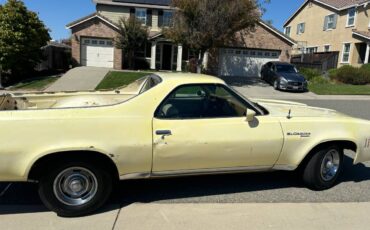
(322, 61)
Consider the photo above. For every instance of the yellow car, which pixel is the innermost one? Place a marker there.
(75, 145)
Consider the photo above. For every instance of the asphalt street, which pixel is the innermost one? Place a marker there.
(274, 187)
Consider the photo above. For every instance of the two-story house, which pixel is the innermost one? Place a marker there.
(93, 39)
(332, 25)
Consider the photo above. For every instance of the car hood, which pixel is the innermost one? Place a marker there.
(296, 77)
(282, 108)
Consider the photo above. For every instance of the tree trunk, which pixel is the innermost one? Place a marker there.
(1, 80)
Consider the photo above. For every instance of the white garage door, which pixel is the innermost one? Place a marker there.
(244, 63)
(97, 52)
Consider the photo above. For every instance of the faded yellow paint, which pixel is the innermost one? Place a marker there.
(127, 132)
(313, 15)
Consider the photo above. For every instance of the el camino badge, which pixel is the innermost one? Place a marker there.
(301, 134)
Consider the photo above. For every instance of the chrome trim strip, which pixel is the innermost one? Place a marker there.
(285, 167)
(133, 176)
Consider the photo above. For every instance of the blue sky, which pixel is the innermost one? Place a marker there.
(57, 13)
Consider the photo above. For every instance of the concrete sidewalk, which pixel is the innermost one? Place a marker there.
(79, 79)
(203, 216)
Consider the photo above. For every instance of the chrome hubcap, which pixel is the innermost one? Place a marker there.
(330, 165)
(75, 186)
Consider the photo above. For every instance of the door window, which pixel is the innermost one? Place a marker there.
(201, 101)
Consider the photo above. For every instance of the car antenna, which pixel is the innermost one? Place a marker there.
(289, 114)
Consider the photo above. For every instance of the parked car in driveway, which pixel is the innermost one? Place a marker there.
(75, 145)
(283, 76)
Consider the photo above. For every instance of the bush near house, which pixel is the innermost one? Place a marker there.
(309, 74)
(351, 75)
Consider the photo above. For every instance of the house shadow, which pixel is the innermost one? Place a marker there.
(23, 197)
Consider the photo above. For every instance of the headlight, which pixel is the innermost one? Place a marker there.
(283, 81)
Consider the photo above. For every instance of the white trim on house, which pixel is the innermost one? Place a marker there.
(324, 46)
(134, 5)
(89, 18)
(349, 53)
(360, 35)
(354, 18)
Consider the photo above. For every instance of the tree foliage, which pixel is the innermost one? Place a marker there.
(22, 34)
(132, 36)
(204, 24)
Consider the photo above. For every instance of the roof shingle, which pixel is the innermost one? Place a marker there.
(149, 2)
(339, 4)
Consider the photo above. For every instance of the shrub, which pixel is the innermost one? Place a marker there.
(332, 73)
(320, 80)
(366, 67)
(352, 75)
(309, 73)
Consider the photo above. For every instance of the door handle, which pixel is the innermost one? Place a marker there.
(163, 132)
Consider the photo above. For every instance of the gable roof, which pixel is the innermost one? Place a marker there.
(277, 32)
(90, 17)
(336, 5)
(155, 4)
(149, 2)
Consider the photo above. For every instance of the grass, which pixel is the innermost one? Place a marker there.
(114, 79)
(35, 84)
(339, 89)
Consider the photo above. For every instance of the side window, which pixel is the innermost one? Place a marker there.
(201, 101)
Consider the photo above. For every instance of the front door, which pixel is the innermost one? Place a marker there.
(201, 128)
(167, 54)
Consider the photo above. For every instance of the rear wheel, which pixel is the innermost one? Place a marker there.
(322, 170)
(75, 188)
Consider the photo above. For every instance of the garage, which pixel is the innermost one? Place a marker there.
(97, 52)
(244, 62)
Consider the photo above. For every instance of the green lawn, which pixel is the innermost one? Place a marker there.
(35, 84)
(114, 79)
(339, 89)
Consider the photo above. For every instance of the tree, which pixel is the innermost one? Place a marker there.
(205, 24)
(132, 36)
(22, 34)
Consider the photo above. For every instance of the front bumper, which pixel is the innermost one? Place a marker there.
(294, 86)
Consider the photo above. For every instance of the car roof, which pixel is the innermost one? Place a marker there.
(281, 63)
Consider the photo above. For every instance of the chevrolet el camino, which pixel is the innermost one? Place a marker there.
(76, 145)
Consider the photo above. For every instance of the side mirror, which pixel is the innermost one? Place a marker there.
(250, 114)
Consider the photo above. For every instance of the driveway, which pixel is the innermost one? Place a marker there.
(79, 79)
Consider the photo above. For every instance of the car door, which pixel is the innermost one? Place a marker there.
(213, 134)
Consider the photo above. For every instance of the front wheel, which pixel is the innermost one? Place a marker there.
(75, 188)
(323, 169)
(276, 85)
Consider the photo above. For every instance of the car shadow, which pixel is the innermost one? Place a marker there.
(23, 197)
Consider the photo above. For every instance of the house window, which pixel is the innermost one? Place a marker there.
(311, 50)
(351, 17)
(346, 52)
(167, 18)
(326, 48)
(330, 22)
(287, 31)
(301, 28)
(140, 14)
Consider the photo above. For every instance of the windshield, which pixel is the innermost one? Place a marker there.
(141, 85)
(286, 69)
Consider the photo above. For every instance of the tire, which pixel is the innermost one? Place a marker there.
(94, 184)
(314, 175)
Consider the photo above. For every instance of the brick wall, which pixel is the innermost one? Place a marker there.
(98, 29)
(262, 38)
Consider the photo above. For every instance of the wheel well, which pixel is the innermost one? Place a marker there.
(44, 164)
(341, 144)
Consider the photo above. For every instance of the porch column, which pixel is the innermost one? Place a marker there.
(153, 56)
(367, 54)
(179, 58)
